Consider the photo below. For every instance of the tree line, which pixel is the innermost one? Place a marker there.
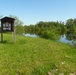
(52, 30)
(49, 30)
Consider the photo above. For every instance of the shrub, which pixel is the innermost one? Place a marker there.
(50, 35)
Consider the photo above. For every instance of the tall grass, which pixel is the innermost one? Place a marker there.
(36, 56)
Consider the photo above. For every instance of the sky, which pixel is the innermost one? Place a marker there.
(33, 11)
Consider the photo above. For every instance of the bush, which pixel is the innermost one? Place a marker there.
(50, 35)
(19, 29)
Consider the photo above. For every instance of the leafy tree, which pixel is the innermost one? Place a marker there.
(48, 30)
(71, 25)
(18, 25)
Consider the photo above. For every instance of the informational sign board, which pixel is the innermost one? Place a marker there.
(7, 24)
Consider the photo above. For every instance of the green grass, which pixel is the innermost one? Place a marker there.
(36, 56)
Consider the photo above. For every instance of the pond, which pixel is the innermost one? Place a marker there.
(64, 39)
(30, 35)
(67, 39)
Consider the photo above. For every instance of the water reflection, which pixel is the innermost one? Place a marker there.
(31, 35)
(68, 38)
(71, 37)
(74, 43)
(65, 40)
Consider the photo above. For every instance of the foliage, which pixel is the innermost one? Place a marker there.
(29, 29)
(48, 30)
(52, 30)
(18, 25)
(49, 35)
(19, 29)
(71, 25)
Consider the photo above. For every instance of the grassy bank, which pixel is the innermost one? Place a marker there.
(36, 56)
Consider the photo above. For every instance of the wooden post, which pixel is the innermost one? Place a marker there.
(1, 36)
(1, 33)
(14, 36)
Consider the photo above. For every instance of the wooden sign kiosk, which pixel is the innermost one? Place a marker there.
(7, 25)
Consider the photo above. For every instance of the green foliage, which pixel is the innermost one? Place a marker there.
(48, 30)
(18, 25)
(17, 20)
(71, 25)
(52, 30)
(49, 35)
(29, 29)
(19, 29)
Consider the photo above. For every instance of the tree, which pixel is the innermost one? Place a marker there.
(18, 25)
(19, 29)
(71, 25)
(69, 22)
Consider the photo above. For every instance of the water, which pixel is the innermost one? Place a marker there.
(30, 35)
(67, 39)
(64, 39)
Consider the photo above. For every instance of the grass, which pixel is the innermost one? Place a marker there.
(36, 56)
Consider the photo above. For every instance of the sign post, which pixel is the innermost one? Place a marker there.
(14, 36)
(1, 36)
(7, 25)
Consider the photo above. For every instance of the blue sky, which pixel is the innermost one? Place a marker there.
(33, 11)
